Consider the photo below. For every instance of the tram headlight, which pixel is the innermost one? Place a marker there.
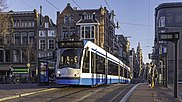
(58, 72)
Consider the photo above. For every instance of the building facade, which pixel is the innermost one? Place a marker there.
(96, 25)
(168, 18)
(47, 39)
(19, 46)
(33, 37)
(134, 63)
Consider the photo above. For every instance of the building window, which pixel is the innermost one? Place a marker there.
(2, 55)
(71, 19)
(51, 33)
(7, 39)
(42, 44)
(88, 16)
(26, 23)
(30, 37)
(42, 33)
(32, 23)
(15, 23)
(65, 35)
(42, 54)
(92, 32)
(82, 31)
(46, 25)
(1, 40)
(24, 39)
(65, 19)
(7, 55)
(17, 38)
(16, 56)
(22, 23)
(29, 24)
(162, 21)
(87, 32)
(51, 44)
(18, 24)
(50, 54)
(25, 55)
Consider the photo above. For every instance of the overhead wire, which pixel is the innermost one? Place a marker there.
(76, 4)
(52, 5)
(59, 9)
(117, 24)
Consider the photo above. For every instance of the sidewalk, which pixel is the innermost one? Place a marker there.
(143, 93)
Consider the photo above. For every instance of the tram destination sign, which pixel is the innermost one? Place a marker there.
(70, 44)
(172, 36)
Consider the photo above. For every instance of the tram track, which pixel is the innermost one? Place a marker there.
(67, 93)
(109, 93)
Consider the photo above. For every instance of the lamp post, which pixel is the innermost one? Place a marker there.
(172, 37)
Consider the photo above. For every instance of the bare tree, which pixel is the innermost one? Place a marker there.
(3, 5)
(5, 19)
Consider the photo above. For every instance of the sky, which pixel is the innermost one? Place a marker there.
(135, 17)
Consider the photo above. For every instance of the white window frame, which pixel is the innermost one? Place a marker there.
(53, 43)
(162, 21)
(90, 36)
(23, 34)
(42, 33)
(40, 44)
(51, 33)
(66, 19)
(46, 25)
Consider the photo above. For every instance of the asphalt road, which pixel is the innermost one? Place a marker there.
(106, 93)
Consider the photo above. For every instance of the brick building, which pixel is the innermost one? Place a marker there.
(96, 25)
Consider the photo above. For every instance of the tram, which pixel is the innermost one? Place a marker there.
(85, 63)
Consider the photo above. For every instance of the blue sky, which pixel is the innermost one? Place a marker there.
(136, 17)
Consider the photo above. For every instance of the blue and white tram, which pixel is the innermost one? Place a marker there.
(85, 63)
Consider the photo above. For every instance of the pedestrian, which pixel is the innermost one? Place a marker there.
(149, 81)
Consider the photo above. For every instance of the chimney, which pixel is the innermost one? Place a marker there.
(68, 4)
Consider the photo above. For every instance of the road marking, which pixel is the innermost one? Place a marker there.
(125, 98)
(8, 98)
(25, 94)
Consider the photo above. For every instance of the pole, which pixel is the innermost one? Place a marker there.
(166, 71)
(175, 72)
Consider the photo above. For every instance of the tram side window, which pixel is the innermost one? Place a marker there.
(100, 65)
(125, 73)
(121, 71)
(128, 74)
(85, 68)
(92, 62)
(112, 68)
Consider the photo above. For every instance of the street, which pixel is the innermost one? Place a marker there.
(110, 93)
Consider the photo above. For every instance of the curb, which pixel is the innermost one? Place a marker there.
(125, 98)
(25, 94)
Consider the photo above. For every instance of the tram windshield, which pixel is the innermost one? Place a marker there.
(70, 57)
